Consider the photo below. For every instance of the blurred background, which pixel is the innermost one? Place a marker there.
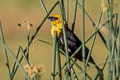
(13, 12)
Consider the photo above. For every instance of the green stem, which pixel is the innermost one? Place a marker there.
(74, 16)
(109, 39)
(5, 52)
(62, 12)
(83, 41)
(54, 56)
(28, 39)
(59, 63)
(67, 16)
(13, 68)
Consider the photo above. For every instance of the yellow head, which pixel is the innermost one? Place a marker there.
(56, 24)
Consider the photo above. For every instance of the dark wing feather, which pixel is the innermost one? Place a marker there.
(73, 40)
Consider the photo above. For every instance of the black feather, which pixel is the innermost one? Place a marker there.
(73, 44)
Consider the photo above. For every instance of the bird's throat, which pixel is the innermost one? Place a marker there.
(57, 29)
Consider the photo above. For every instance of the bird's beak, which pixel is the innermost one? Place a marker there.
(50, 18)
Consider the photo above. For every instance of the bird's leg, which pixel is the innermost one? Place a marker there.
(72, 69)
(71, 66)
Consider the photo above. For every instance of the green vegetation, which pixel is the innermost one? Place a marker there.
(111, 42)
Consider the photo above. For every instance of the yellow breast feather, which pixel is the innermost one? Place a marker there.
(53, 29)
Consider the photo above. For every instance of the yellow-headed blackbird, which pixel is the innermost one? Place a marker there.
(73, 41)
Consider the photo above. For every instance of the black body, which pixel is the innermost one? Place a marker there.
(73, 44)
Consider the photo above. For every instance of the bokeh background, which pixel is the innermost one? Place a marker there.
(13, 12)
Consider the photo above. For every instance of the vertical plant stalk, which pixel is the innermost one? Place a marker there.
(119, 50)
(116, 33)
(63, 9)
(74, 15)
(54, 56)
(67, 16)
(5, 52)
(109, 37)
(118, 54)
(83, 40)
(59, 63)
(114, 49)
(62, 12)
(116, 66)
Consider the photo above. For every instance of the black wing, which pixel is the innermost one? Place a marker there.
(73, 43)
(72, 40)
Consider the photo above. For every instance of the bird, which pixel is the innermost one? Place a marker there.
(73, 41)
